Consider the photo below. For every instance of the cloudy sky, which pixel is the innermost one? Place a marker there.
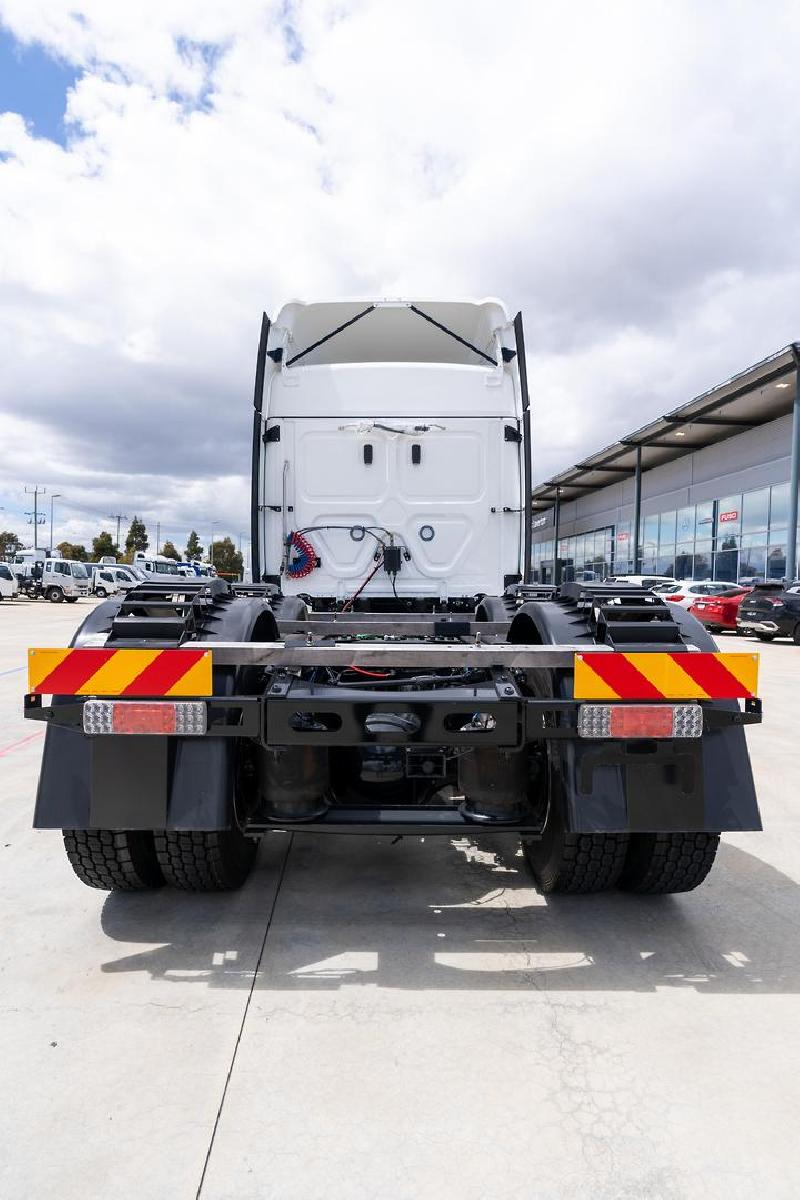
(626, 173)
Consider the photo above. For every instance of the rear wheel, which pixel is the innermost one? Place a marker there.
(575, 862)
(663, 863)
(765, 637)
(216, 861)
(115, 860)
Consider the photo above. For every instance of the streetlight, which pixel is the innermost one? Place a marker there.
(211, 542)
(53, 496)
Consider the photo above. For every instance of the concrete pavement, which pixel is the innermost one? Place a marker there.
(367, 1019)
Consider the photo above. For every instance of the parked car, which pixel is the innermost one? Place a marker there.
(652, 582)
(9, 584)
(720, 610)
(687, 591)
(771, 610)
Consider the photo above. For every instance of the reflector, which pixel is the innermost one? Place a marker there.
(143, 718)
(641, 721)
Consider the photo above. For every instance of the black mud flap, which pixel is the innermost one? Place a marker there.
(142, 782)
(703, 785)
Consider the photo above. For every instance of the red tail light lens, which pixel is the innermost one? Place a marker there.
(143, 718)
(641, 721)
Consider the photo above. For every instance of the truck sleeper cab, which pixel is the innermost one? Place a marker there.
(392, 669)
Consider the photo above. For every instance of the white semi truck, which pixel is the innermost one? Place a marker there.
(391, 670)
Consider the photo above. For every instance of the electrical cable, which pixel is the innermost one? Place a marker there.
(348, 604)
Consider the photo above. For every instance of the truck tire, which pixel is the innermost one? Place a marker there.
(101, 592)
(115, 860)
(575, 862)
(216, 861)
(54, 595)
(71, 599)
(659, 864)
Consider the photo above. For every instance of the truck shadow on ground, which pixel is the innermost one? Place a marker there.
(444, 914)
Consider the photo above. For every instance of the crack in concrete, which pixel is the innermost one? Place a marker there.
(256, 970)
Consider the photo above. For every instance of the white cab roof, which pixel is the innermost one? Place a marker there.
(392, 331)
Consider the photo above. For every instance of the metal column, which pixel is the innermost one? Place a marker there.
(794, 476)
(556, 559)
(637, 510)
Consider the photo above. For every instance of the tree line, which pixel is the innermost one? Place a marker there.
(224, 555)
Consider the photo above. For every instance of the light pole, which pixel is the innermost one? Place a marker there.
(211, 542)
(53, 496)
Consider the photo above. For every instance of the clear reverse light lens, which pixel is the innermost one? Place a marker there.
(626, 720)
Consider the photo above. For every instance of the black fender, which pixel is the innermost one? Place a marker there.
(710, 790)
(143, 782)
(494, 608)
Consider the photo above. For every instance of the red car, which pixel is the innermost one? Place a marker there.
(719, 612)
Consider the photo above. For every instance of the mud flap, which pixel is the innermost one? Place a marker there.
(704, 786)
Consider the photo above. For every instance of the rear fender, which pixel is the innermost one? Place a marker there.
(142, 782)
(708, 786)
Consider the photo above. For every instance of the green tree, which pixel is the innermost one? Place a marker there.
(226, 558)
(73, 550)
(194, 551)
(103, 545)
(136, 539)
(169, 551)
(9, 543)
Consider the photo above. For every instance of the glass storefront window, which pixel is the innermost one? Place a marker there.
(666, 536)
(753, 558)
(729, 515)
(683, 560)
(704, 519)
(779, 506)
(726, 561)
(776, 558)
(685, 524)
(755, 511)
(702, 560)
(649, 544)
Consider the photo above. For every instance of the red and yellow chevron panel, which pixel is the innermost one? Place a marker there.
(664, 676)
(108, 672)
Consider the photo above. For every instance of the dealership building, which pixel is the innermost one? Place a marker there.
(708, 491)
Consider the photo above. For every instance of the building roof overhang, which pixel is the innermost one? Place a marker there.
(758, 395)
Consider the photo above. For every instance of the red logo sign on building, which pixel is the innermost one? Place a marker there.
(731, 515)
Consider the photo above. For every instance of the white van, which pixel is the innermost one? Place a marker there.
(9, 584)
(64, 580)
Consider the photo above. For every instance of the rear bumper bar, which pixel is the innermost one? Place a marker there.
(352, 717)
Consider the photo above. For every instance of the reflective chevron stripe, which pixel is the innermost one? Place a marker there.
(108, 672)
(662, 676)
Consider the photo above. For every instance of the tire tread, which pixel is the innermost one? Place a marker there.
(113, 860)
(661, 864)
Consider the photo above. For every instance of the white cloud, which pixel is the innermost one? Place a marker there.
(626, 174)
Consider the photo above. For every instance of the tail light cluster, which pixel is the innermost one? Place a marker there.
(184, 718)
(640, 721)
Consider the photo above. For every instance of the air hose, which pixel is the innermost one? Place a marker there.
(301, 558)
